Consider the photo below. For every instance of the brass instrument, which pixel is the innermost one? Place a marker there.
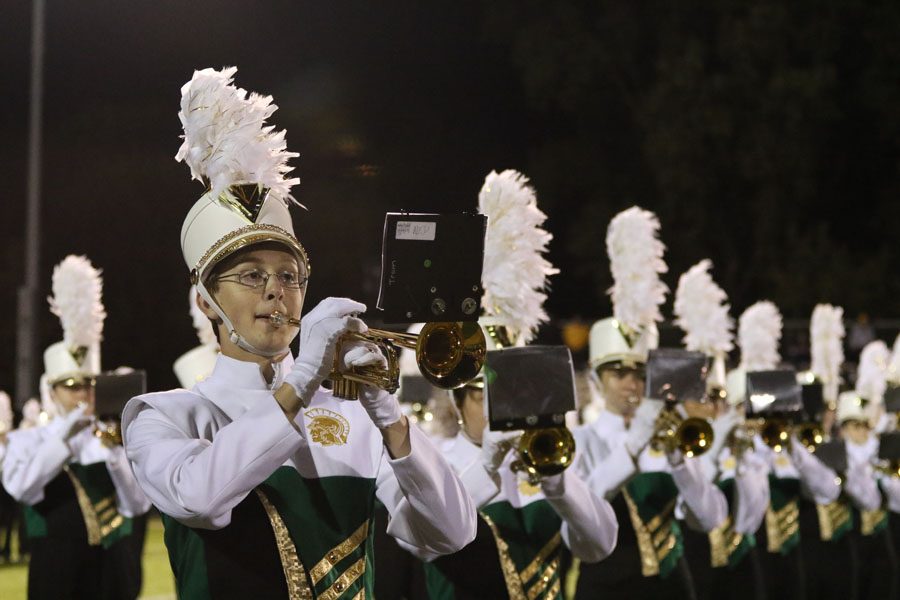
(810, 435)
(692, 436)
(448, 354)
(108, 431)
(888, 467)
(543, 452)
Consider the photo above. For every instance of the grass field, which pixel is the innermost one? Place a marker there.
(158, 582)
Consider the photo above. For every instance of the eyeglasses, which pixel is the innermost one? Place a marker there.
(76, 384)
(259, 279)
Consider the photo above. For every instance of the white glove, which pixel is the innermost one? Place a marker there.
(71, 424)
(382, 407)
(860, 485)
(320, 331)
(495, 445)
(643, 426)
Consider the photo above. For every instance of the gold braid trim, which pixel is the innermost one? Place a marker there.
(338, 553)
(228, 244)
(91, 523)
(294, 574)
(344, 581)
(544, 580)
(548, 549)
(869, 520)
(831, 518)
(553, 592)
(781, 525)
(723, 541)
(510, 574)
(360, 595)
(651, 535)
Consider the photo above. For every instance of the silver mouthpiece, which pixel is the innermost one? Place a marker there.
(279, 320)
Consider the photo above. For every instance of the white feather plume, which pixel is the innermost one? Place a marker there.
(6, 414)
(759, 332)
(205, 332)
(894, 367)
(636, 261)
(226, 139)
(826, 343)
(701, 308)
(78, 302)
(871, 377)
(515, 271)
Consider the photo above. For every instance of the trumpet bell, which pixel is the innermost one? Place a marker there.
(546, 451)
(694, 437)
(775, 433)
(810, 435)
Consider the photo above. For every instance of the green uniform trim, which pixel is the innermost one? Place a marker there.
(329, 521)
(103, 522)
(651, 499)
(728, 547)
(783, 515)
(529, 545)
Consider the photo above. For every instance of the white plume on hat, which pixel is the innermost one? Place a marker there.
(226, 139)
(636, 261)
(894, 367)
(701, 308)
(77, 301)
(515, 271)
(759, 332)
(205, 332)
(6, 414)
(871, 378)
(826, 344)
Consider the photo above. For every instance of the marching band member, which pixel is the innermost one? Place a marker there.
(79, 493)
(829, 552)
(723, 562)
(265, 480)
(647, 487)
(524, 526)
(858, 411)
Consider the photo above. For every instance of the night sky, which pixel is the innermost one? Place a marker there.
(391, 105)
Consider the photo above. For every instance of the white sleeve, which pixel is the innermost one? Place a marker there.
(479, 484)
(861, 486)
(705, 502)
(751, 485)
(33, 459)
(199, 482)
(589, 528)
(130, 499)
(818, 480)
(603, 468)
(430, 509)
(891, 487)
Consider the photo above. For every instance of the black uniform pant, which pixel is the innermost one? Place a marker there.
(593, 584)
(877, 566)
(63, 569)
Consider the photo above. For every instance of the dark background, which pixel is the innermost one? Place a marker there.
(764, 134)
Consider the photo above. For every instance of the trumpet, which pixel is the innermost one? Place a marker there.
(810, 435)
(108, 431)
(448, 354)
(776, 433)
(692, 436)
(888, 467)
(544, 452)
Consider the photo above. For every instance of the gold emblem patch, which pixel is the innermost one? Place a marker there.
(326, 427)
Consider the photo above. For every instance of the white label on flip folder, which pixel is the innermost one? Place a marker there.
(416, 230)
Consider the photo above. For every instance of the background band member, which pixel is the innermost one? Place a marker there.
(79, 492)
(525, 523)
(646, 485)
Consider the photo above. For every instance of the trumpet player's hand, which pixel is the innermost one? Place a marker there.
(362, 354)
(495, 445)
(643, 426)
(320, 331)
(73, 423)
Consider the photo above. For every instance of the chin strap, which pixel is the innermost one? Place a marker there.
(236, 338)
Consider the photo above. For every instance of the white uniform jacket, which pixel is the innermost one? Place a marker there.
(197, 454)
(603, 462)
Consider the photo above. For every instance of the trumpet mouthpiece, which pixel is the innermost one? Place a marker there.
(280, 320)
